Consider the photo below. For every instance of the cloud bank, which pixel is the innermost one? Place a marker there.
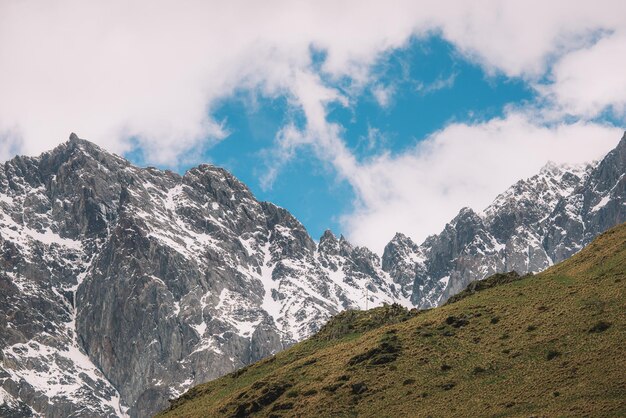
(145, 76)
(462, 166)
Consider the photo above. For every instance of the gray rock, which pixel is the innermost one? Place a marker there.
(534, 224)
(123, 286)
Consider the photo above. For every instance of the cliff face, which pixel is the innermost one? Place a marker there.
(125, 286)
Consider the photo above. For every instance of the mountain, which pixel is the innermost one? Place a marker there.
(534, 224)
(124, 286)
(538, 345)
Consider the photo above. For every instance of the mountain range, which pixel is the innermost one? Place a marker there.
(543, 345)
(122, 287)
(534, 224)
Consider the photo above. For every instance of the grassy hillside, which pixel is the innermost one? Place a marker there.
(551, 344)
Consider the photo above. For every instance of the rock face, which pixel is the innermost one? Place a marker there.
(534, 224)
(121, 287)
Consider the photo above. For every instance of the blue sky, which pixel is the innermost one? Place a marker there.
(433, 86)
(364, 117)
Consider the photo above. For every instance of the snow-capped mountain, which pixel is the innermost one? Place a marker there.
(535, 223)
(121, 286)
(120, 283)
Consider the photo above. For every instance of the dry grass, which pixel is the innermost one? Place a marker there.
(545, 345)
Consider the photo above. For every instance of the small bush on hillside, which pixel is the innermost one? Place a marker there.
(599, 326)
(552, 354)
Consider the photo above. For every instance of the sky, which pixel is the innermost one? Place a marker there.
(364, 117)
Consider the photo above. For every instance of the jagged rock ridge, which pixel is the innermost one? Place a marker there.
(534, 224)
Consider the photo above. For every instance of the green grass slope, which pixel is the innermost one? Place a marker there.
(552, 344)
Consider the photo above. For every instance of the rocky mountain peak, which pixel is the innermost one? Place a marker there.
(400, 239)
(79, 160)
(464, 226)
(401, 258)
(329, 244)
(75, 144)
(550, 168)
(328, 236)
(535, 223)
(399, 249)
(619, 152)
(465, 215)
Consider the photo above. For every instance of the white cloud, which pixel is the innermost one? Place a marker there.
(439, 83)
(383, 94)
(591, 80)
(149, 73)
(373, 141)
(462, 165)
(520, 38)
(152, 69)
